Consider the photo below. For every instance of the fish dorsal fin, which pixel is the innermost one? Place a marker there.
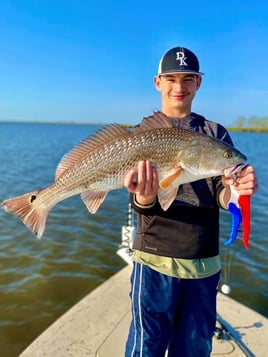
(157, 120)
(101, 137)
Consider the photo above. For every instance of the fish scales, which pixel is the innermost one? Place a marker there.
(126, 152)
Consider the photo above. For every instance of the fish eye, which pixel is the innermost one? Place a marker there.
(227, 154)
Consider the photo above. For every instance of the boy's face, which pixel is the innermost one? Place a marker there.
(177, 91)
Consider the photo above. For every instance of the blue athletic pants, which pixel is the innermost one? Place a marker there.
(177, 315)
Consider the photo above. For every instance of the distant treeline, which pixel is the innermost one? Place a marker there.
(253, 123)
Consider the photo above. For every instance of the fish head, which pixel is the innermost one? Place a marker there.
(207, 157)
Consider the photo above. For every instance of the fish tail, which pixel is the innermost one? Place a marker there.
(32, 214)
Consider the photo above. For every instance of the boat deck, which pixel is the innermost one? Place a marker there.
(98, 326)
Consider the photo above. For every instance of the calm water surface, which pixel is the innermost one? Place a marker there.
(41, 279)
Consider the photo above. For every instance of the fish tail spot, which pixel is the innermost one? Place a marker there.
(32, 215)
(33, 198)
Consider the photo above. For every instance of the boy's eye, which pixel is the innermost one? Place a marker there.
(190, 79)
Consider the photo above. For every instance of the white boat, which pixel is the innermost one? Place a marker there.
(98, 324)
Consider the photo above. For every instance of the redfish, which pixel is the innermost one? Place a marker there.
(99, 163)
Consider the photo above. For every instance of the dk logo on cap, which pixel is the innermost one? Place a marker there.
(179, 60)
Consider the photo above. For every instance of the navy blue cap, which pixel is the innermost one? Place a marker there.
(179, 60)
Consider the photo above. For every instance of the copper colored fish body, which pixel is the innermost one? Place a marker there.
(99, 164)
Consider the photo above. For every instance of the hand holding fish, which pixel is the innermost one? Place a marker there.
(143, 182)
(245, 182)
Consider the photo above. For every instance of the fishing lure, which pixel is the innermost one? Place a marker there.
(239, 207)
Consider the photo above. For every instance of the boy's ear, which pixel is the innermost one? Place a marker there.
(198, 82)
(157, 81)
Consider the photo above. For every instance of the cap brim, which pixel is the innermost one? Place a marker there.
(176, 72)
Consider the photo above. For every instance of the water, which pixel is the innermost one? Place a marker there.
(41, 279)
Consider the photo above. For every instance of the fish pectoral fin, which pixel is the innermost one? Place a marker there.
(167, 196)
(168, 180)
(93, 199)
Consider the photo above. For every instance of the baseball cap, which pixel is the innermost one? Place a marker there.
(179, 60)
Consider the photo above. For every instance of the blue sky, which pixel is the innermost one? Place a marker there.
(94, 61)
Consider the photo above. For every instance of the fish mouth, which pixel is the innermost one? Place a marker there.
(232, 171)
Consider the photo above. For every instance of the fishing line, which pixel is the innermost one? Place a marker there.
(128, 230)
(125, 250)
(229, 256)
